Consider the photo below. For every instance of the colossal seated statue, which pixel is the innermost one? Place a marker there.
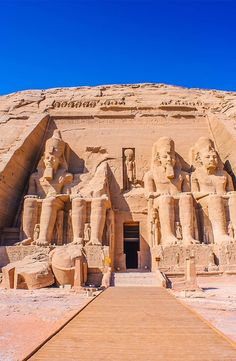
(213, 188)
(49, 186)
(167, 189)
(96, 193)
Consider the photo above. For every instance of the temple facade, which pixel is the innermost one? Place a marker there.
(145, 173)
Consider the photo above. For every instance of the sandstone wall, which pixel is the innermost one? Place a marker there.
(18, 161)
(97, 122)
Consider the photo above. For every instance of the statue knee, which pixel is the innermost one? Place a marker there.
(30, 202)
(99, 203)
(53, 203)
(49, 202)
(214, 201)
(164, 199)
(78, 203)
(185, 200)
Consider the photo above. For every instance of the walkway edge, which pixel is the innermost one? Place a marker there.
(220, 333)
(60, 328)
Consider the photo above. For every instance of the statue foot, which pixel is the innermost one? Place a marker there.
(79, 241)
(41, 242)
(94, 242)
(190, 240)
(26, 242)
(170, 241)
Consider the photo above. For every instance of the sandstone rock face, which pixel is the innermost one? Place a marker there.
(32, 272)
(140, 169)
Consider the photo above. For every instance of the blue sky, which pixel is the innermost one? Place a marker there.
(61, 43)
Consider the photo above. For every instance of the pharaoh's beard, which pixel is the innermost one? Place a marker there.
(170, 171)
(211, 169)
(48, 173)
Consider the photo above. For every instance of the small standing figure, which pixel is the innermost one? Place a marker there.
(178, 230)
(155, 228)
(129, 169)
(87, 232)
(230, 230)
(36, 232)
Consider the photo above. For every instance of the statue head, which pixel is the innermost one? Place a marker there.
(51, 161)
(205, 155)
(54, 155)
(129, 154)
(163, 154)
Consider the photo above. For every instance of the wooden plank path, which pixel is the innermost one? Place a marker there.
(136, 324)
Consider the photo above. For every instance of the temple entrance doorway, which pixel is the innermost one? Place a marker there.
(131, 244)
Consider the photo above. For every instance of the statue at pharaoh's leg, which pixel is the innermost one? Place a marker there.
(211, 185)
(95, 192)
(47, 185)
(165, 184)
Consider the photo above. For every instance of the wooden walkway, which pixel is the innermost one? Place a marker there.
(136, 324)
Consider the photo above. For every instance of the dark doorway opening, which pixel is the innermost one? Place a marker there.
(131, 244)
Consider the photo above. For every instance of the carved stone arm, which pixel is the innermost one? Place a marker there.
(149, 186)
(32, 190)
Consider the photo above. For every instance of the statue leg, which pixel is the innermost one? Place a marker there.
(232, 211)
(97, 219)
(50, 206)
(78, 219)
(29, 219)
(216, 213)
(166, 211)
(186, 210)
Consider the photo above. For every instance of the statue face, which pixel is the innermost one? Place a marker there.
(167, 158)
(209, 159)
(51, 161)
(129, 154)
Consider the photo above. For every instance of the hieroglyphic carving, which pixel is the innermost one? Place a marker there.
(181, 103)
(94, 256)
(87, 103)
(14, 253)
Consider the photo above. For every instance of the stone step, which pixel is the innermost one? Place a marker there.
(142, 279)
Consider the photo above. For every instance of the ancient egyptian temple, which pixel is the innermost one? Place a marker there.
(124, 177)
